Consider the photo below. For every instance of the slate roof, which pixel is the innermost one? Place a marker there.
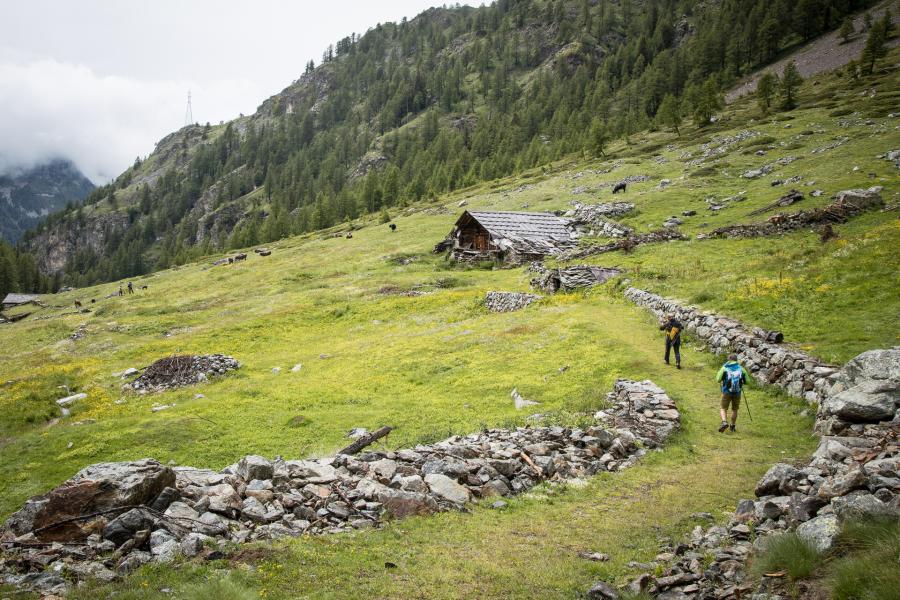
(523, 232)
(19, 299)
(528, 225)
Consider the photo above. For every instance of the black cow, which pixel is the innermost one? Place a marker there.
(619, 187)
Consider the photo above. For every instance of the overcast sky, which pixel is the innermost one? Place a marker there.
(100, 81)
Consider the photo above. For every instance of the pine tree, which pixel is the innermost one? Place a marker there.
(846, 30)
(874, 49)
(790, 82)
(765, 90)
(598, 137)
(670, 113)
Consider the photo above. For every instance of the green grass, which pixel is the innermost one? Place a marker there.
(787, 553)
(869, 567)
(862, 565)
(439, 364)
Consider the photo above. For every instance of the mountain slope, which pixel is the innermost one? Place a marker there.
(28, 196)
(435, 363)
(411, 110)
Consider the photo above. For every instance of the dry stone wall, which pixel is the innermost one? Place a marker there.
(151, 512)
(853, 474)
(796, 372)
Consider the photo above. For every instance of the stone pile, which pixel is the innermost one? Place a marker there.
(113, 517)
(608, 210)
(567, 279)
(770, 363)
(508, 301)
(852, 475)
(627, 243)
(177, 371)
(594, 219)
(847, 204)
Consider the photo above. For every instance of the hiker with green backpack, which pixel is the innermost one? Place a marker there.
(733, 377)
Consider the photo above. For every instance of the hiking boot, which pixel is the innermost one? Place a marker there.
(678, 367)
(723, 426)
(731, 427)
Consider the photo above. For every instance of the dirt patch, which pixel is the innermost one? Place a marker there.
(251, 556)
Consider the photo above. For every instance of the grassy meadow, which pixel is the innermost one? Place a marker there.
(438, 363)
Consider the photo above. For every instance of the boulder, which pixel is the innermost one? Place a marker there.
(223, 499)
(602, 591)
(446, 488)
(254, 467)
(776, 480)
(819, 532)
(842, 484)
(861, 505)
(867, 402)
(123, 527)
(311, 471)
(96, 488)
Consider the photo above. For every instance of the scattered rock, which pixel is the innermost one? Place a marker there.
(501, 302)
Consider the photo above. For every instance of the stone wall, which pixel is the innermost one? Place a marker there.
(853, 475)
(508, 301)
(113, 517)
(796, 372)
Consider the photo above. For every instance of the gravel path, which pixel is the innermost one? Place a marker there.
(824, 54)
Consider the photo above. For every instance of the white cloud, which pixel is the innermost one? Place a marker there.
(54, 109)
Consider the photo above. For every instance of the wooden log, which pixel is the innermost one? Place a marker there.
(366, 440)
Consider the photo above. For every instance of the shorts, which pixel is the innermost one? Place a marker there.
(731, 399)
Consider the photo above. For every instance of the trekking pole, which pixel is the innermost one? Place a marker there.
(747, 404)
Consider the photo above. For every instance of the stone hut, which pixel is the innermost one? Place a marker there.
(509, 237)
(13, 300)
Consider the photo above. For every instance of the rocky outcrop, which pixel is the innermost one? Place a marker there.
(53, 246)
(165, 512)
(594, 219)
(798, 373)
(508, 301)
(850, 476)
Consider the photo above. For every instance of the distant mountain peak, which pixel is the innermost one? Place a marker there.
(29, 195)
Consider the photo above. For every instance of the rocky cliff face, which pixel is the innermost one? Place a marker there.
(28, 196)
(53, 246)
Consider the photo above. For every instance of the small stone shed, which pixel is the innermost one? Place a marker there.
(13, 300)
(509, 237)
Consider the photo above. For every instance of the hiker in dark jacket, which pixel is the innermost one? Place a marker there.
(672, 327)
(733, 377)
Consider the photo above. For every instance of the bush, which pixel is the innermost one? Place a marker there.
(789, 553)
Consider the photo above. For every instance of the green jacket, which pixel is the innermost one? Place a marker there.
(720, 376)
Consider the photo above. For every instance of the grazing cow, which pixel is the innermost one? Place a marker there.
(77, 304)
(393, 227)
(240, 256)
(144, 287)
(619, 187)
(349, 235)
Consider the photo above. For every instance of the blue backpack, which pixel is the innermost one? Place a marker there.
(731, 382)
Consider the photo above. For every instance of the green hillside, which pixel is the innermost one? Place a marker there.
(438, 363)
(413, 110)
